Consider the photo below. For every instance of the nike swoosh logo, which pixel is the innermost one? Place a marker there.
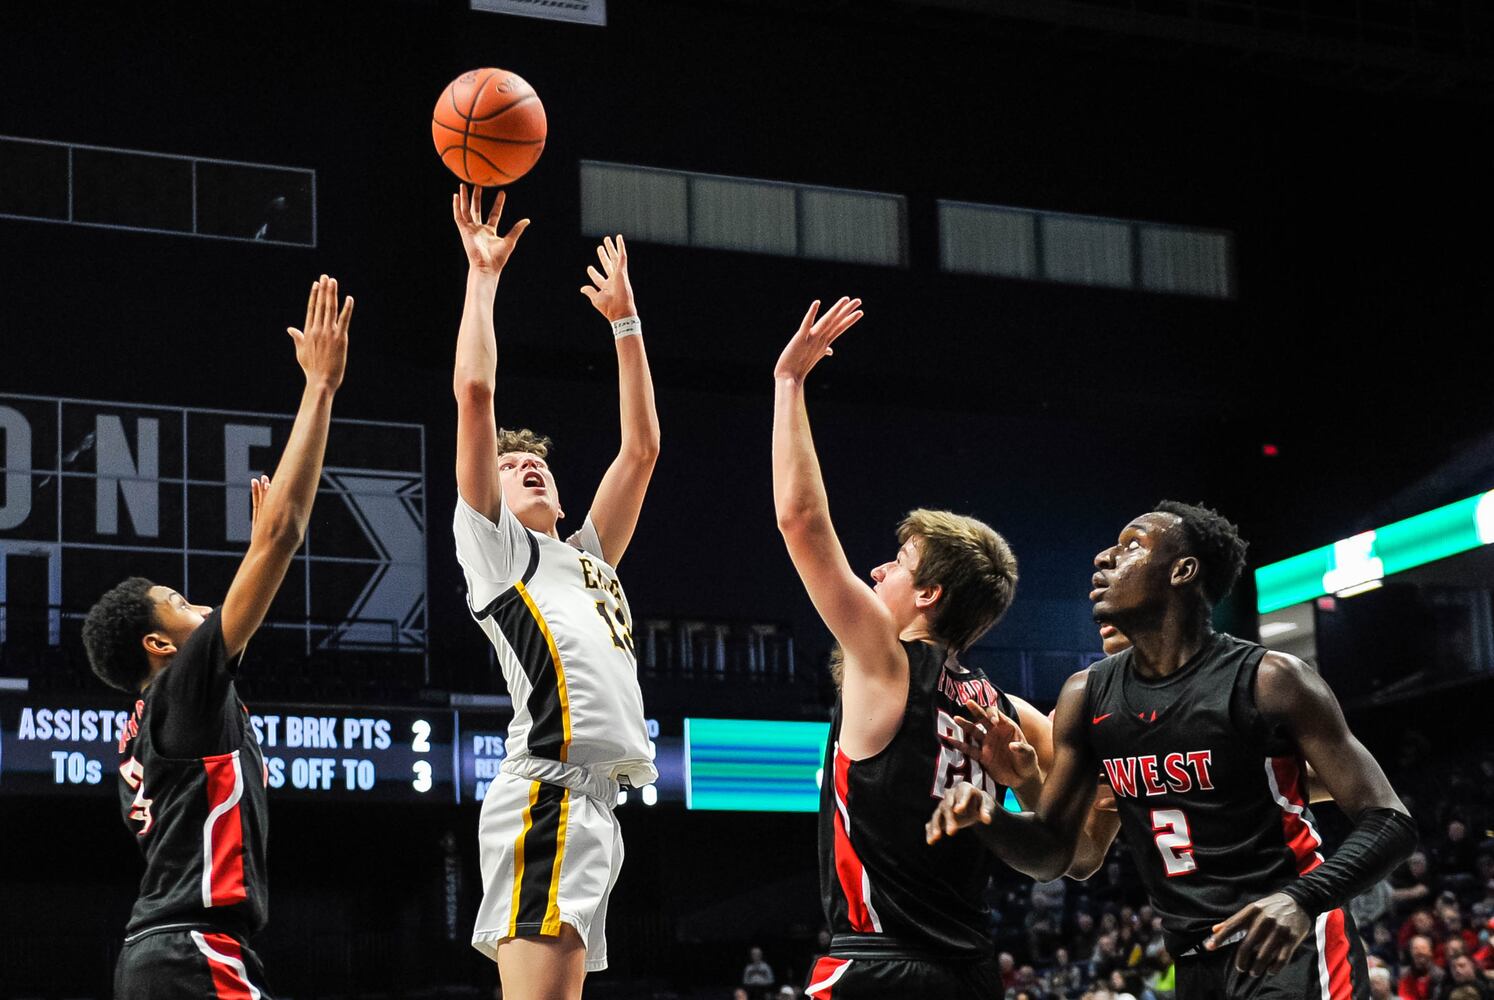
(1101, 718)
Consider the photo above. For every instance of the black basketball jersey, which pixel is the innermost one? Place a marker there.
(192, 791)
(1212, 798)
(877, 873)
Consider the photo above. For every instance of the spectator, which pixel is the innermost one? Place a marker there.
(1462, 972)
(1163, 984)
(1412, 884)
(1122, 985)
(786, 993)
(757, 973)
(1418, 978)
(1379, 983)
(1420, 923)
(740, 993)
(1008, 967)
(1066, 978)
(1082, 940)
(1456, 852)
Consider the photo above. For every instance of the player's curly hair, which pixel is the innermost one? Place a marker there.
(113, 630)
(523, 439)
(1215, 541)
(971, 562)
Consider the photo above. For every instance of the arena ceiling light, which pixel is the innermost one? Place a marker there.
(1361, 562)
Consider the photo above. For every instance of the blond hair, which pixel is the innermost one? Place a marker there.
(972, 565)
(523, 439)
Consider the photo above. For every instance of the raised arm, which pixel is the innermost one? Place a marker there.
(1042, 843)
(619, 498)
(1293, 695)
(281, 516)
(476, 371)
(875, 684)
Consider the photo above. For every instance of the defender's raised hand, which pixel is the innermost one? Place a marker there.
(610, 290)
(487, 252)
(812, 341)
(322, 343)
(997, 744)
(258, 490)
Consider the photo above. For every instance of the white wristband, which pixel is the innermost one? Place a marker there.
(628, 326)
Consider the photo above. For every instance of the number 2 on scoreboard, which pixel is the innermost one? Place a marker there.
(1174, 841)
(422, 741)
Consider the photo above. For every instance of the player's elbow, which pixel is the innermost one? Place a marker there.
(472, 388)
(796, 521)
(282, 529)
(643, 450)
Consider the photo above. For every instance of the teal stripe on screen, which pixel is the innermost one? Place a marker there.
(754, 765)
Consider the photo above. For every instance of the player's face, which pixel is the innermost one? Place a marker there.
(1133, 574)
(529, 490)
(893, 583)
(177, 617)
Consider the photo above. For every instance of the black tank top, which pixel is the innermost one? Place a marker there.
(1212, 798)
(192, 791)
(877, 874)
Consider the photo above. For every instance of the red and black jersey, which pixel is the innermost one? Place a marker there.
(192, 791)
(1212, 796)
(877, 873)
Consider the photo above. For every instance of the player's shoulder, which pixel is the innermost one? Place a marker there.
(1281, 679)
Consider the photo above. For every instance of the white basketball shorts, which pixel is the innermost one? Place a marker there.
(550, 855)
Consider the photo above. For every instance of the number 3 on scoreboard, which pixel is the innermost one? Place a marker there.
(1174, 842)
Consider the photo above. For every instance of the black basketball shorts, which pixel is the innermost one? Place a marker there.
(188, 962)
(834, 978)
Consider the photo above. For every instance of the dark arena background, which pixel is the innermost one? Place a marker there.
(1111, 251)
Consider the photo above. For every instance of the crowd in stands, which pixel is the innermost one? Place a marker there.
(1428, 930)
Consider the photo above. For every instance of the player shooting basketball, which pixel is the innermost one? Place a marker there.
(550, 844)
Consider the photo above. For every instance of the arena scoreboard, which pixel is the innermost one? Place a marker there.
(311, 751)
(350, 752)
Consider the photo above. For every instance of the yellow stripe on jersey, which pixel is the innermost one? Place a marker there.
(565, 705)
(513, 910)
(552, 911)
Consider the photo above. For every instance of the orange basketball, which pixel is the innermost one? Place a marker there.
(489, 127)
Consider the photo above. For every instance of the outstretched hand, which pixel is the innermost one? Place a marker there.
(258, 490)
(322, 342)
(487, 252)
(611, 292)
(963, 805)
(997, 744)
(814, 337)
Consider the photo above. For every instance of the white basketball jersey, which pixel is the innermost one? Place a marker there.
(560, 622)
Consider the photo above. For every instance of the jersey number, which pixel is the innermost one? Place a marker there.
(134, 776)
(1174, 842)
(623, 641)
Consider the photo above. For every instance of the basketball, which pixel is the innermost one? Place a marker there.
(489, 127)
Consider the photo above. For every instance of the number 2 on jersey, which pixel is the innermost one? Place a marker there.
(1174, 841)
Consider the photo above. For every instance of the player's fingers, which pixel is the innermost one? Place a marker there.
(497, 211)
(589, 292)
(604, 254)
(456, 205)
(329, 305)
(979, 711)
(295, 335)
(1224, 929)
(516, 232)
(808, 321)
(1269, 949)
(1248, 949)
(345, 318)
(622, 251)
(611, 249)
(595, 276)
